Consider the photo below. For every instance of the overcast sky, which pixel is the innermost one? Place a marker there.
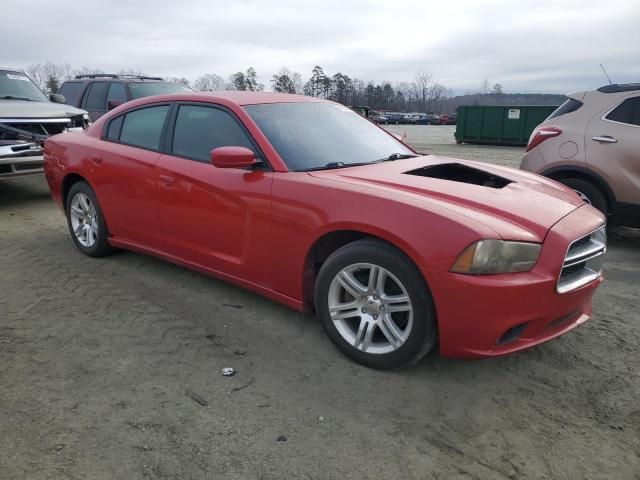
(527, 46)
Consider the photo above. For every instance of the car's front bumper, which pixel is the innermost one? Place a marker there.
(20, 166)
(491, 315)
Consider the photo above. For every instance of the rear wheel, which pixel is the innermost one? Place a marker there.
(590, 193)
(86, 222)
(375, 305)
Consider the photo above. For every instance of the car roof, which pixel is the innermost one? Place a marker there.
(11, 70)
(115, 77)
(233, 96)
(619, 87)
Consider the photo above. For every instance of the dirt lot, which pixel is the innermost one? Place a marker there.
(96, 357)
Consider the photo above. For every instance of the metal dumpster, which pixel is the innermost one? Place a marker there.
(499, 125)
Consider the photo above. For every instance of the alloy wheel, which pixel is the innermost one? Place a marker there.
(370, 308)
(84, 220)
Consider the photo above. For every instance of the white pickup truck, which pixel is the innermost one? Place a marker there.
(27, 118)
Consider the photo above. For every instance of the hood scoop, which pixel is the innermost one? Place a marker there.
(457, 172)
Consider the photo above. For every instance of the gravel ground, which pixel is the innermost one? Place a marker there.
(105, 364)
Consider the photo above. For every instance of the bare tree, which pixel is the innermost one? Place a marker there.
(87, 71)
(485, 86)
(180, 80)
(286, 81)
(423, 81)
(131, 71)
(209, 82)
(49, 75)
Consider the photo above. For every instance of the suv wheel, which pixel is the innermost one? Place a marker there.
(375, 305)
(588, 192)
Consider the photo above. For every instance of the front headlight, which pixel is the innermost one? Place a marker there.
(487, 257)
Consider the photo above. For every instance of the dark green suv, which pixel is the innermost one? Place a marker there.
(100, 92)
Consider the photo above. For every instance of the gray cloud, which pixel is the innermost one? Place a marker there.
(542, 45)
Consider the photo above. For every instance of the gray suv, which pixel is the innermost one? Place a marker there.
(27, 118)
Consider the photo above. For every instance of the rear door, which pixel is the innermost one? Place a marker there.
(218, 218)
(94, 100)
(117, 94)
(125, 174)
(613, 148)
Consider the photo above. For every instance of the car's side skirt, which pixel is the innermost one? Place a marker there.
(293, 303)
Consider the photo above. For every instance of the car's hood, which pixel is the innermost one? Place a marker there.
(25, 109)
(527, 201)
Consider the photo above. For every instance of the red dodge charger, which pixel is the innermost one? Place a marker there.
(304, 201)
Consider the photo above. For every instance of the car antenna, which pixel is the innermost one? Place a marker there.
(606, 74)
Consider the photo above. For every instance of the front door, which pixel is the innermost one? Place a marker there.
(217, 218)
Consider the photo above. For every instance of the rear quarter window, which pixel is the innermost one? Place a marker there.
(569, 106)
(113, 131)
(95, 97)
(143, 127)
(71, 92)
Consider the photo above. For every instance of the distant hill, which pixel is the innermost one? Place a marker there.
(509, 99)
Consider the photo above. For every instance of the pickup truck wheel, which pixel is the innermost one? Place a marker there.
(588, 192)
(86, 222)
(375, 305)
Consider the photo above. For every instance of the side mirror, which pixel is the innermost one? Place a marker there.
(232, 157)
(57, 98)
(111, 104)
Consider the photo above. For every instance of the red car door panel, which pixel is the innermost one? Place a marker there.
(217, 218)
(125, 181)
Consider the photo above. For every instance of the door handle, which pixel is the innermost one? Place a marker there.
(96, 158)
(166, 180)
(605, 139)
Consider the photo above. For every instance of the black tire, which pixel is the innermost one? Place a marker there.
(596, 197)
(101, 246)
(423, 335)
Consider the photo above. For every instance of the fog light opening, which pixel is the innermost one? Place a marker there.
(512, 334)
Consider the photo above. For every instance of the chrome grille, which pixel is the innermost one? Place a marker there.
(583, 261)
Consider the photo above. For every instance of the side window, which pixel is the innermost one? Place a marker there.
(71, 92)
(627, 112)
(199, 130)
(113, 132)
(95, 97)
(116, 93)
(143, 128)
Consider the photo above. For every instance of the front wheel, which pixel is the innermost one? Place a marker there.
(375, 305)
(86, 222)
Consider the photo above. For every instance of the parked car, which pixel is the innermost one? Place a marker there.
(27, 118)
(429, 119)
(100, 92)
(448, 119)
(393, 118)
(311, 205)
(591, 144)
(411, 118)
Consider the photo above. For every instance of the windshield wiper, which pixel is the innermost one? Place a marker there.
(335, 165)
(396, 156)
(332, 166)
(11, 97)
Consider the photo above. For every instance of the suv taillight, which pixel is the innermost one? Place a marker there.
(541, 135)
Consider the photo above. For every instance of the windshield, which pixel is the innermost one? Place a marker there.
(16, 85)
(313, 135)
(147, 89)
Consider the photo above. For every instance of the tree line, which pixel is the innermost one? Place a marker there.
(422, 94)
